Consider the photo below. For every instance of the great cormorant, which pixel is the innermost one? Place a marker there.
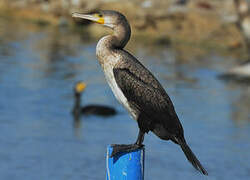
(136, 88)
(92, 109)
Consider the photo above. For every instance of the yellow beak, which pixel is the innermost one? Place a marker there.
(91, 17)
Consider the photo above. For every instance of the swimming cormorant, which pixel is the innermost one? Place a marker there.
(136, 88)
(92, 109)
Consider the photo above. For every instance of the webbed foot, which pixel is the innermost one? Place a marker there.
(124, 148)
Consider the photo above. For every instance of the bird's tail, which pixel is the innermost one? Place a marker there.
(191, 157)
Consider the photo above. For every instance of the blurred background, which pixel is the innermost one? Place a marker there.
(197, 49)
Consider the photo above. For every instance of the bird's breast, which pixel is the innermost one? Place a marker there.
(109, 75)
(108, 59)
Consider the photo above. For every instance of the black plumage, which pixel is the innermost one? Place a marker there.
(155, 109)
(146, 95)
(91, 109)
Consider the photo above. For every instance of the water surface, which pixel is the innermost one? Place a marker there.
(41, 140)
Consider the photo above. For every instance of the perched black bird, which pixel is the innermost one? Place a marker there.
(92, 109)
(136, 88)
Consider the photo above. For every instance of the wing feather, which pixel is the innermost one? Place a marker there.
(153, 102)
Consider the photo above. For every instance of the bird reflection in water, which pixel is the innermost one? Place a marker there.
(77, 124)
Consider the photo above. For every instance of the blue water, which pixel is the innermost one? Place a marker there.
(40, 139)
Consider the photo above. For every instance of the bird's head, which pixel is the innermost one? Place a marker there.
(106, 17)
(79, 87)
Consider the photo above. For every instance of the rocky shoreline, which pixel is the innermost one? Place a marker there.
(197, 24)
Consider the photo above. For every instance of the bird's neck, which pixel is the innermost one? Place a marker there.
(77, 101)
(121, 35)
(116, 41)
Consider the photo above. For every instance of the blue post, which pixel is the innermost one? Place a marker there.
(125, 166)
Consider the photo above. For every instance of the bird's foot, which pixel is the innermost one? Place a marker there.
(124, 148)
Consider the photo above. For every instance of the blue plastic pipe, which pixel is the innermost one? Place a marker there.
(125, 166)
